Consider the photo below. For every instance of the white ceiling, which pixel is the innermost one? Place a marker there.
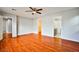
(20, 11)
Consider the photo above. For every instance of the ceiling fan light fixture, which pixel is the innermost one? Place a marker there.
(34, 12)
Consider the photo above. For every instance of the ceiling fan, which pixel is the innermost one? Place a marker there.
(34, 10)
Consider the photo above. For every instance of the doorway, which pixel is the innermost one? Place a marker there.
(7, 28)
(57, 26)
(57, 29)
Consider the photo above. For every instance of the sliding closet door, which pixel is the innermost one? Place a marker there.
(1, 28)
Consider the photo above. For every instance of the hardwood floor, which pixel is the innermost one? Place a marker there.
(7, 35)
(31, 43)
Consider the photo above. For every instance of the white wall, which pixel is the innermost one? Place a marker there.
(70, 24)
(25, 25)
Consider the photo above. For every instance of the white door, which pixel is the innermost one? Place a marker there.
(1, 28)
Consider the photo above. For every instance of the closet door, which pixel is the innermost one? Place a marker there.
(1, 28)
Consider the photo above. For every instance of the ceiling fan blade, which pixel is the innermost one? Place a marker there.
(31, 8)
(39, 9)
(38, 12)
(28, 11)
